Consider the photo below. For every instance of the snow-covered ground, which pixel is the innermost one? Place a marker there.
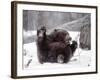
(81, 58)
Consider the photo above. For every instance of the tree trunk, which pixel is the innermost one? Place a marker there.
(85, 37)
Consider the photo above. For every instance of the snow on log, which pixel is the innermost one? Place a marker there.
(73, 25)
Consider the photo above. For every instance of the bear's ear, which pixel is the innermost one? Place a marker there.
(55, 29)
(43, 28)
(38, 31)
(70, 39)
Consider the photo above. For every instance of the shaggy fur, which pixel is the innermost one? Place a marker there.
(59, 48)
(53, 45)
(59, 35)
